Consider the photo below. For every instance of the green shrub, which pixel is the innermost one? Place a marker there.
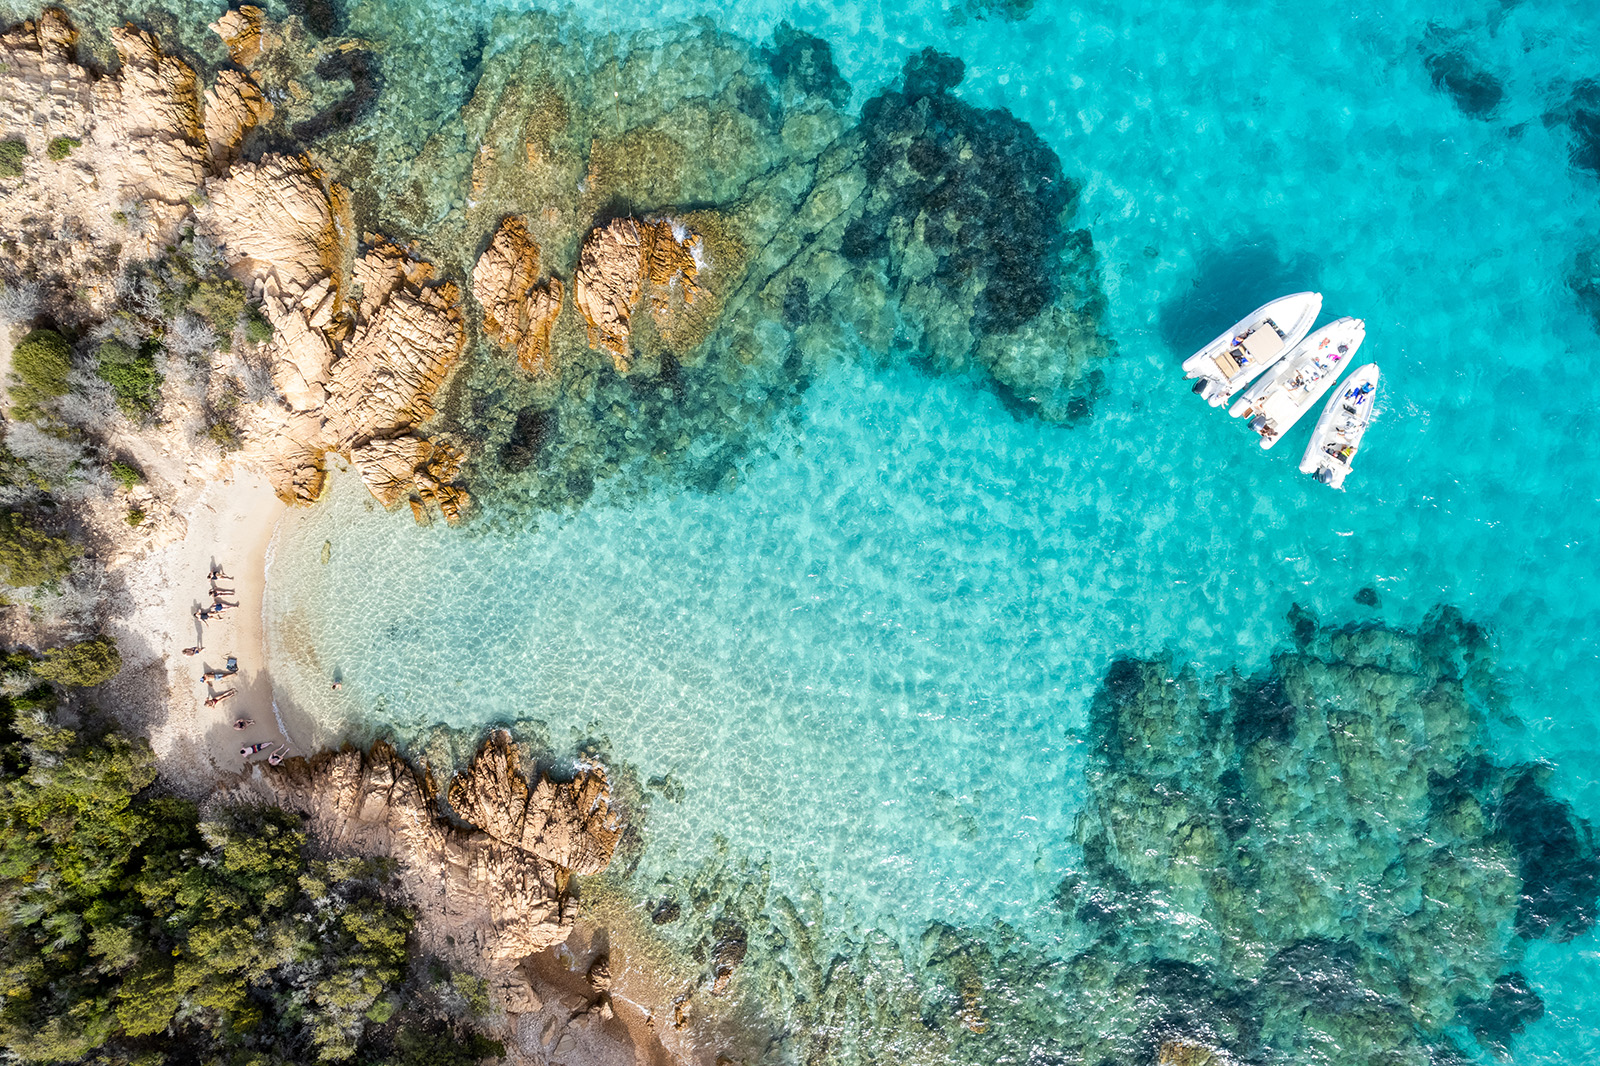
(224, 435)
(126, 474)
(29, 556)
(40, 364)
(220, 303)
(257, 330)
(12, 154)
(132, 375)
(62, 147)
(135, 516)
(81, 665)
(439, 1046)
(134, 932)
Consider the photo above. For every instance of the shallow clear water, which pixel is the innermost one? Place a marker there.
(871, 661)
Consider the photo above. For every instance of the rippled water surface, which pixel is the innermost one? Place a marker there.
(870, 659)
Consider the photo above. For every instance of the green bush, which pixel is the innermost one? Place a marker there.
(135, 516)
(81, 665)
(257, 330)
(40, 364)
(12, 154)
(126, 474)
(440, 1046)
(224, 435)
(29, 556)
(134, 932)
(132, 375)
(62, 147)
(220, 303)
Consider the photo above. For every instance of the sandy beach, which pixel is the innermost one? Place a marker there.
(229, 524)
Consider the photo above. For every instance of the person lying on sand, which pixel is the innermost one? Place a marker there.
(203, 613)
(196, 650)
(219, 697)
(277, 757)
(217, 675)
(250, 749)
(243, 723)
(218, 607)
(218, 593)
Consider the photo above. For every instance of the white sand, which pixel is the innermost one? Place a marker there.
(229, 523)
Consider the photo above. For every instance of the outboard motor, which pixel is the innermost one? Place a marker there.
(1258, 423)
(1324, 475)
(1199, 387)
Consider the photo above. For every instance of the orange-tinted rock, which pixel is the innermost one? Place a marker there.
(390, 367)
(233, 107)
(280, 223)
(519, 311)
(240, 30)
(479, 895)
(570, 824)
(623, 261)
(388, 467)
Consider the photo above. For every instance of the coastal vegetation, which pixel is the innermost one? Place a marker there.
(132, 375)
(12, 153)
(40, 363)
(134, 927)
(29, 556)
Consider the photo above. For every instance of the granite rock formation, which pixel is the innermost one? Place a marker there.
(519, 310)
(118, 164)
(570, 825)
(360, 345)
(488, 894)
(137, 150)
(726, 231)
(628, 262)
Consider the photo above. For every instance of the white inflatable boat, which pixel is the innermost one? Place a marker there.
(1256, 341)
(1283, 394)
(1344, 421)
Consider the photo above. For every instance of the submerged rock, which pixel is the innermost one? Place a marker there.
(1580, 113)
(965, 217)
(1475, 91)
(1319, 863)
(1320, 841)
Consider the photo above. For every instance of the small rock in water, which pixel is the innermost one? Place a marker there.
(732, 943)
(1368, 597)
(327, 551)
(666, 911)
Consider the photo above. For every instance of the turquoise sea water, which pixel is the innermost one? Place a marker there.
(870, 663)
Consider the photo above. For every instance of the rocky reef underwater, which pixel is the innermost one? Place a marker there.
(1319, 863)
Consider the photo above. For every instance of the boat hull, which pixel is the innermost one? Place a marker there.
(1292, 388)
(1341, 427)
(1254, 343)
